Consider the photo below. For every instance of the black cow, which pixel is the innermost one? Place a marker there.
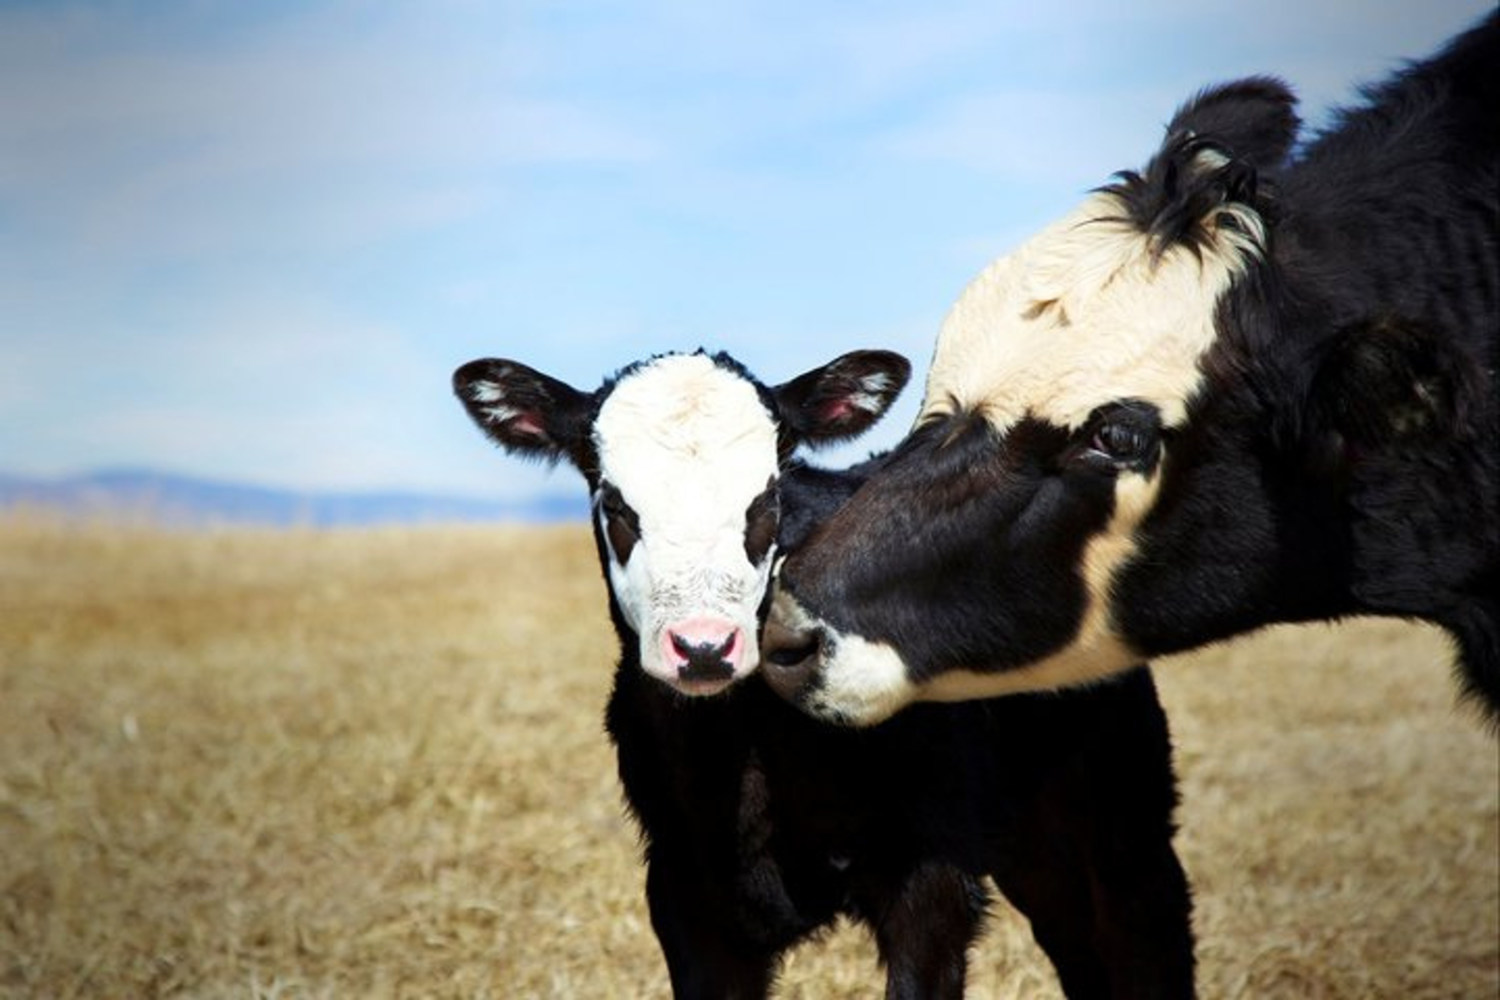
(760, 824)
(1244, 385)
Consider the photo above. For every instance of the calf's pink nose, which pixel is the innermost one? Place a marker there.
(703, 648)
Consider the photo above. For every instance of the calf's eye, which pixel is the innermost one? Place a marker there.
(621, 524)
(762, 518)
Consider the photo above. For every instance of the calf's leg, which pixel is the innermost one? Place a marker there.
(707, 957)
(924, 924)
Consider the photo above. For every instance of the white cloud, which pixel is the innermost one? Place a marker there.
(349, 135)
(253, 240)
(1063, 139)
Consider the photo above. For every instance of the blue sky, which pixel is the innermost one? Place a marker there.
(251, 241)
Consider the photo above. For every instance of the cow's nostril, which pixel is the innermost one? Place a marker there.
(801, 648)
(790, 660)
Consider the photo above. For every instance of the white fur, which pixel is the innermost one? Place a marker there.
(499, 413)
(689, 445)
(863, 682)
(1081, 315)
(875, 388)
(486, 392)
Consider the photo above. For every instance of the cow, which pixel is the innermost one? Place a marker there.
(761, 825)
(1253, 382)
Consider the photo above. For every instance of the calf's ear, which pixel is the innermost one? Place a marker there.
(843, 398)
(522, 410)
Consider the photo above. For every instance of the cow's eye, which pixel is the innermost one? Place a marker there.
(621, 524)
(1122, 442)
(1127, 434)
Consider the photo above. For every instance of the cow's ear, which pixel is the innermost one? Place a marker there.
(843, 398)
(1385, 385)
(522, 410)
(1203, 187)
(1252, 121)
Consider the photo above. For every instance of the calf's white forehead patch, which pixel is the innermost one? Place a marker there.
(1082, 314)
(686, 442)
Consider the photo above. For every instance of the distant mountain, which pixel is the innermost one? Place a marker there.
(185, 500)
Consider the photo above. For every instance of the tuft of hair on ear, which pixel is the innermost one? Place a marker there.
(1203, 187)
(843, 398)
(1385, 384)
(522, 410)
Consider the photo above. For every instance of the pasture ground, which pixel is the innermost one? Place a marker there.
(284, 764)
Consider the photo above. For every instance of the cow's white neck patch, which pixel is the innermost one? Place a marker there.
(1082, 314)
(863, 681)
(689, 445)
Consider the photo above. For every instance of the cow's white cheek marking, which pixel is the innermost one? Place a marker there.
(865, 682)
(862, 682)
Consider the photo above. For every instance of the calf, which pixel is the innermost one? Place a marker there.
(760, 824)
(1238, 387)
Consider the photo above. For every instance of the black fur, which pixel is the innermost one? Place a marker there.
(1352, 415)
(762, 825)
(962, 517)
(1248, 125)
(1342, 458)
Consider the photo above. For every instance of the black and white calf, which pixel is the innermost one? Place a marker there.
(1241, 386)
(761, 825)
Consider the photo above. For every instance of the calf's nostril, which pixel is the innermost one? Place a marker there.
(710, 650)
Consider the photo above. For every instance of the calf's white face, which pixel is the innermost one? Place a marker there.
(682, 454)
(688, 464)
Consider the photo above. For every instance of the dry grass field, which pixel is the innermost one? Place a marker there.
(370, 764)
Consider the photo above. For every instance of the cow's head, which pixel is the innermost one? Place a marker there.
(683, 454)
(984, 555)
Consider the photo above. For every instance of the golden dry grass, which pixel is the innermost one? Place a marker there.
(301, 764)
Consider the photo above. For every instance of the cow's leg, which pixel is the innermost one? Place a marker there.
(1090, 860)
(1143, 906)
(1044, 879)
(707, 959)
(924, 923)
(1143, 923)
(1114, 928)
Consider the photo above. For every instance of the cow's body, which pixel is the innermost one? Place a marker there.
(762, 825)
(1239, 387)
